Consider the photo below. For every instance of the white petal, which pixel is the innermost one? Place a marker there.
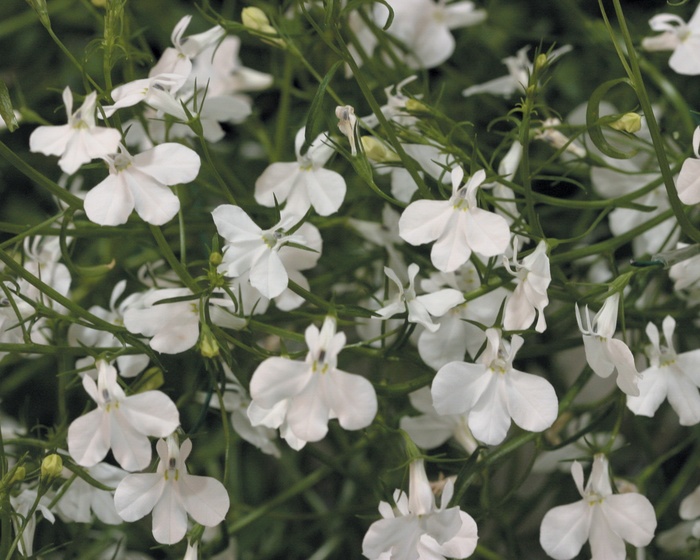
(565, 529)
(50, 140)
(169, 163)
(631, 516)
(428, 431)
(532, 402)
(620, 354)
(424, 220)
(169, 517)
(155, 203)
(326, 190)
(487, 233)
(204, 498)
(110, 202)
(137, 494)
(276, 182)
(457, 387)
(489, 420)
(268, 274)
(688, 182)
(277, 379)
(684, 397)
(89, 438)
(399, 535)
(233, 223)
(152, 413)
(451, 250)
(130, 448)
(463, 544)
(653, 388)
(440, 302)
(351, 399)
(596, 356)
(309, 412)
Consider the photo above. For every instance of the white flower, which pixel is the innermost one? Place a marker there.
(604, 519)
(677, 36)
(121, 423)
(530, 294)
(492, 392)
(236, 401)
(604, 353)
(424, 27)
(688, 183)
(456, 333)
(251, 249)
(519, 70)
(129, 365)
(141, 182)
(157, 92)
(419, 308)
(307, 394)
(174, 325)
(458, 226)
(669, 375)
(430, 429)
(416, 529)
(304, 183)
(22, 504)
(690, 510)
(81, 500)
(80, 140)
(172, 493)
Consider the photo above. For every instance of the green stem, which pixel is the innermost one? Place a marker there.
(173, 261)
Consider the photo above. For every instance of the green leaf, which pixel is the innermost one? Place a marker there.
(594, 122)
(314, 125)
(6, 111)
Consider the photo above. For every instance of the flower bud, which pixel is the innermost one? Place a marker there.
(377, 151)
(18, 474)
(256, 20)
(629, 122)
(152, 379)
(208, 345)
(415, 106)
(51, 466)
(215, 258)
(540, 62)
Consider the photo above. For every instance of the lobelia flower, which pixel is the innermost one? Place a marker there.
(430, 429)
(677, 36)
(172, 493)
(456, 333)
(82, 500)
(141, 182)
(688, 183)
(604, 519)
(251, 249)
(419, 308)
(80, 140)
(157, 92)
(519, 70)
(416, 529)
(306, 395)
(129, 365)
(121, 423)
(669, 375)
(23, 504)
(492, 392)
(458, 226)
(604, 353)
(424, 27)
(174, 326)
(530, 294)
(304, 183)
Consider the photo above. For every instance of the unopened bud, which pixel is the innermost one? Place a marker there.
(540, 62)
(629, 122)
(42, 11)
(256, 20)
(152, 379)
(215, 258)
(208, 345)
(415, 106)
(51, 466)
(18, 475)
(377, 151)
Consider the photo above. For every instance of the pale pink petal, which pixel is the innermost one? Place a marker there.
(351, 399)
(137, 495)
(110, 202)
(565, 529)
(277, 379)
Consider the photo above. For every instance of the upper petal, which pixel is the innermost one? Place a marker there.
(565, 529)
(277, 379)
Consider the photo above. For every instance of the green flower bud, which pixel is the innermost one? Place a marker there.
(629, 122)
(51, 466)
(256, 20)
(377, 151)
(208, 345)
